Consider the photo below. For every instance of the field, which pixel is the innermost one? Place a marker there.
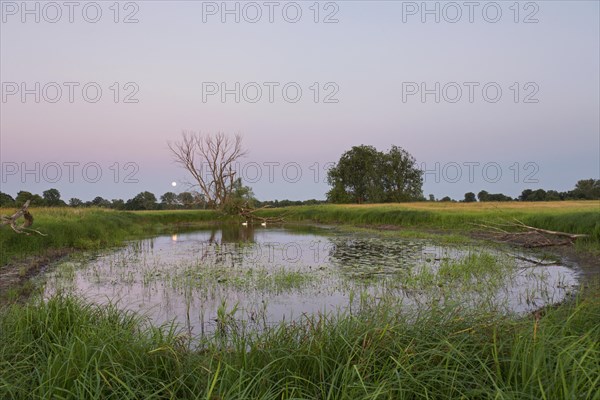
(571, 216)
(64, 347)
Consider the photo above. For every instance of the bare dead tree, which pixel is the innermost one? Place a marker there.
(210, 159)
(24, 227)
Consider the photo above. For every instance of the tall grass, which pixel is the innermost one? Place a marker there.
(84, 229)
(63, 348)
(565, 216)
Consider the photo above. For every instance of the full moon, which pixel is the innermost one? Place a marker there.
(173, 183)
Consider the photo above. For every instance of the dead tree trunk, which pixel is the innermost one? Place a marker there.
(24, 227)
(211, 161)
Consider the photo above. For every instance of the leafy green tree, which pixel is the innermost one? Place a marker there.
(142, 201)
(52, 198)
(187, 200)
(241, 196)
(499, 197)
(23, 196)
(6, 200)
(587, 189)
(117, 204)
(483, 195)
(446, 199)
(312, 202)
(525, 194)
(338, 193)
(75, 202)
(538, 195)
(470, 197)
(553, 195)
(356, 177)
(100, 202)
(243, 193)
(365, 175)
(533, 195)
(169, 201)
(402, 180)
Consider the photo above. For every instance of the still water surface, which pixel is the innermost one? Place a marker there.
(262, 276)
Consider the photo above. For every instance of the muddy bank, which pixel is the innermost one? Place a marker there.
(15, 275)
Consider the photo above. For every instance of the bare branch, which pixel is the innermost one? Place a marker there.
(572, 236)
(24, 227)
(529, 236)
(248, 213)
(210, 161)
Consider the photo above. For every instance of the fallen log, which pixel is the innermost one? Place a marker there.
(529, 236)
(24, 227)
(572, 236)
(249, 214)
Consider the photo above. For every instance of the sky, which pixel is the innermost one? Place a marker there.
(497, 96)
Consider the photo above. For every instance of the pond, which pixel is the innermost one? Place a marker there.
(257, 277)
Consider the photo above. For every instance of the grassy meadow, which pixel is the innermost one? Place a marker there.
(565, 216)
(65, 348)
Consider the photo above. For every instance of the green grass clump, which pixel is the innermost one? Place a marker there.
(63, 348)
(66, 349)
(208, 279)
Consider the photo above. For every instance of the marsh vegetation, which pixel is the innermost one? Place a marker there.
(261, 277)
(333, 312)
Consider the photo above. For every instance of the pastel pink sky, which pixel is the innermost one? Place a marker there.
(368, 54)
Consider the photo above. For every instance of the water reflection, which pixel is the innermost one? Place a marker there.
(262, 276)
(236, 234)
(225, 234)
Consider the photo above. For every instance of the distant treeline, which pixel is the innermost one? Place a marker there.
(587, 189)
(142, 201)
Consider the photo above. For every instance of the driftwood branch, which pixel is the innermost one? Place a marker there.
(529, 236)
(248, 213)
(571, 236)
(24, 227)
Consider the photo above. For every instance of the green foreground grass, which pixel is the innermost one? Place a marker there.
(65, 349)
